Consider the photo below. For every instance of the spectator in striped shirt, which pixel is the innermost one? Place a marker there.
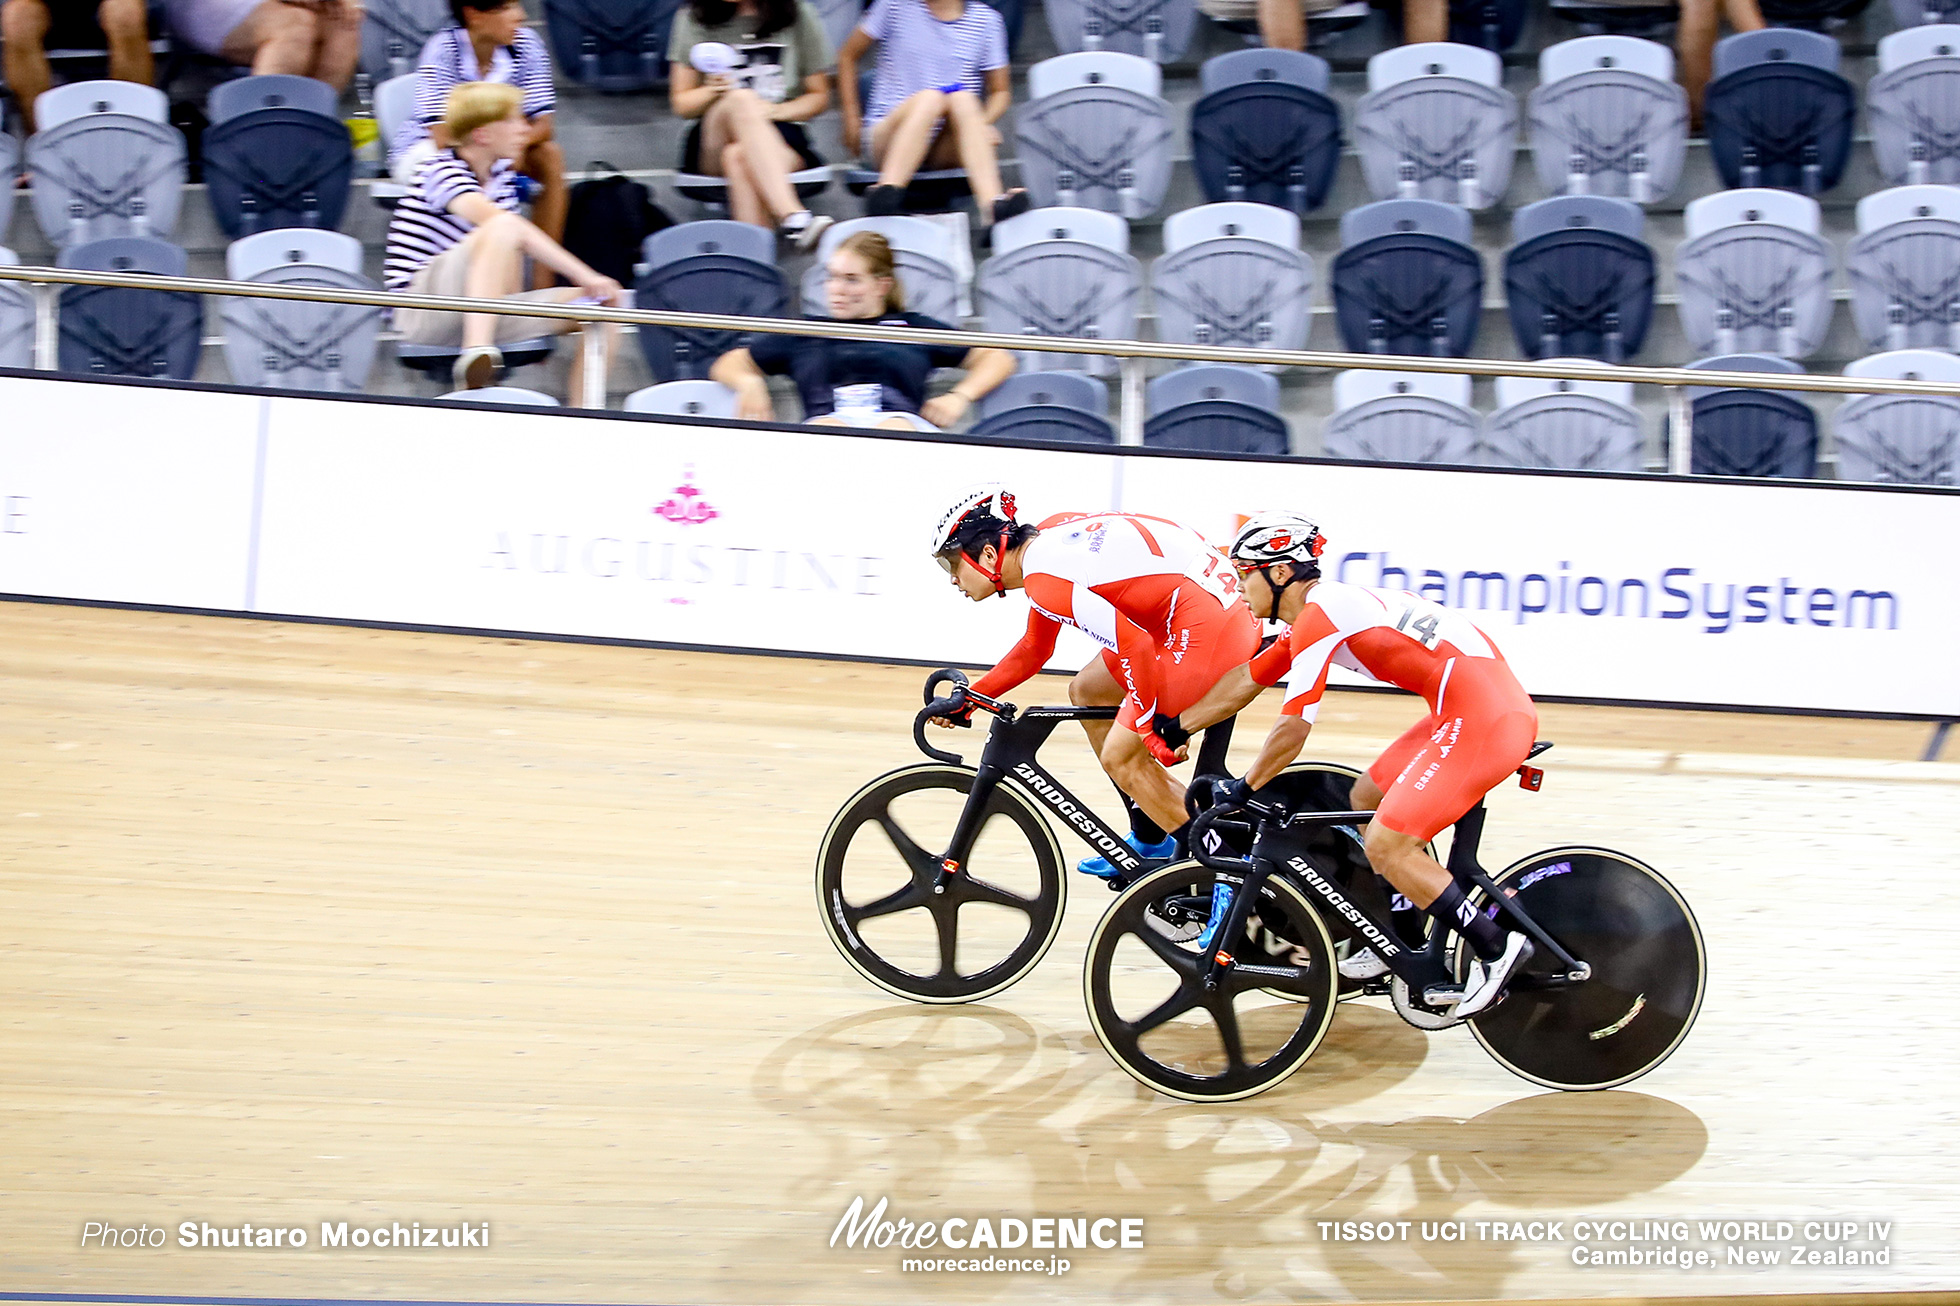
(458, 233)
(764, 72)
(490, 43)
(941, 85)
(311, 38)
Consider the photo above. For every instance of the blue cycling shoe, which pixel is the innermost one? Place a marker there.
(1221, 903)
(1102, 870)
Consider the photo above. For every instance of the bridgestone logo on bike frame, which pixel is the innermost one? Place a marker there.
(1117, 852)
(1384, 948)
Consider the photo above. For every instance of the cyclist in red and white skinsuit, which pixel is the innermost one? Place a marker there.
(1479, 730)
(1160, 599)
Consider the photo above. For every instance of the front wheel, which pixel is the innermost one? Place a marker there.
(1649, 971)
(1147, 1002)
(997, 915)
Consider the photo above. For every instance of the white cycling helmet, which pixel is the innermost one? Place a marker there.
(981, 516)
(1279, 535)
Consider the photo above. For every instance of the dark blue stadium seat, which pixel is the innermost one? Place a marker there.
(1580, 290)
(1408, 292)
(722, 282)
(118, 331)
(1753, 433)
(1778, 112)
(614, 46)
(272, 168)
(1266, 136)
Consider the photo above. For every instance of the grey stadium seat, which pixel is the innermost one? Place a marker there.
(292, 343)
(922, 255)
(1913, 105)
(1907, 14)
(706, 267)
(501, 394)
(1095, 133)
(1059, 405)
(1904, 268)
(105, 163)
(1061, 288)
(684, 399)
(1901, 439)
(1754, 276)
(16, 318)
(1564, 425)
(1232, 274)
(1057, 222)
(1415, 417)
(394, 33)
(1608, 118)
(1216, 407)
(9, 167)
(1157, 30)
(1437, 124)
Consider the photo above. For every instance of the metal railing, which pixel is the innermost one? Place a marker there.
(45, 283)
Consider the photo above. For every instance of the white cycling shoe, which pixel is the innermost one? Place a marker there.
(1363, 965)
(1485, 984)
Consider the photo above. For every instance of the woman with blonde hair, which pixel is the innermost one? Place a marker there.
(458, 232)
(862, 382)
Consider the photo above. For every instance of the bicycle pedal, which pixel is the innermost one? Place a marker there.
(1443, 995)
(1376, 987)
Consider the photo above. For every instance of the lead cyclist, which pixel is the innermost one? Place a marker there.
(1160, 599)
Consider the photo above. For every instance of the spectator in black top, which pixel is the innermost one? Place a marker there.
(30, 30)
(862, 382)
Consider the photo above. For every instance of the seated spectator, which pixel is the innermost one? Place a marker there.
(489, 43)
(320, 39)
(29, 29)
(458, 232)
(862, 382)
(736, 64)
(936, 59)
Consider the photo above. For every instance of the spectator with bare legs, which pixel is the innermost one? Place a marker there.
(29, 29)
(458, 233)
(320, 39)
(490, 43)
(751, 73)
(941, 86)
(1694, 43)
(1283, 23)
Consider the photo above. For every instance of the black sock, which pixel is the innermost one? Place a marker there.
(1453, 910)
(1211, 752)
(1145, 829)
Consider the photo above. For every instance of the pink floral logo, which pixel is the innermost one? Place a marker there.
(686, 507)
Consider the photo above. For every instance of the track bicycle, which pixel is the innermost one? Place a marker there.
(1615, 985)
(943, 882)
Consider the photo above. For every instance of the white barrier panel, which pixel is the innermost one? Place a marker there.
(126, 493)
(1643, 590)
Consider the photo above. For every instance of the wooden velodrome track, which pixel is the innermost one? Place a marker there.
(302, 923)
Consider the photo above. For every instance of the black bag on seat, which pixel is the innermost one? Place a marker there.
(607, 221)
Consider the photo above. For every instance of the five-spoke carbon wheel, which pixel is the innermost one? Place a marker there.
(1149, 1007)
(1649, 971)
(997, 915)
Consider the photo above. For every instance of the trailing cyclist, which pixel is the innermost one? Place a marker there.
(1479, 730)
(1157, 596)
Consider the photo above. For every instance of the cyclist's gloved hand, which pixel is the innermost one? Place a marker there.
(1170, 730)
(1229, 795)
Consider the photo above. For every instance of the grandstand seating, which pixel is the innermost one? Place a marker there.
(277, 155)
(1754, 275)
(1904, 268)
(9, 167)
(1779, 113)
(1901, 439)
(1607, 118)
(118, 331)
(1437, 124)
(1056, 405)
(1266, 129)
(1095, 133)
(714, 266)
(1157, 30)
(683, 399)
(1580, 281)
(501, 394)
(1059, 287)
(1568, 425)
(106, 162)
(1407, 280)
(613, 46)
(16, 318)
(1233, 274)
(1217, 408)
(291, 343)
(1740, 432)
(1414, 417)
(1914, 106)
